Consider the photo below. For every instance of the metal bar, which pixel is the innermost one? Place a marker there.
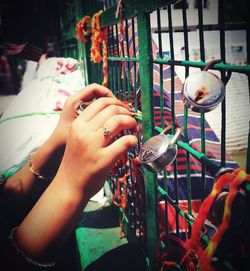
(223, 103)
(146, 68)
(212, 166)
(162, 113)
(127, 76)
(201, 64)
(195, 64)
(202, 115)
(171, 40)
(200, 26)
(179, 211)
(134, 67)
(185, 121)
(131, 9)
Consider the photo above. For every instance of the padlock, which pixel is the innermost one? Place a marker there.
(159, 151)
(83, 105)
(203, 91)
(239, 207)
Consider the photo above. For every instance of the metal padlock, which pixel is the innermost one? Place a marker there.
(239, 206)
(203, 91)
(83, 105)
(159, 151)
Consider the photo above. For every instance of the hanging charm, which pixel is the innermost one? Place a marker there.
(203, 91)
(159, 151)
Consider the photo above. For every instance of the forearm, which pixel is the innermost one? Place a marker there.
(53, 218)
(24, 187)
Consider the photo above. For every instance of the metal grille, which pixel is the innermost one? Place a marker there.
(144, 69)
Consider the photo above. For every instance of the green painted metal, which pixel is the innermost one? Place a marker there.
(146, 67)
(195, 64)
(131, 9)
(94, 235)
(140, 9)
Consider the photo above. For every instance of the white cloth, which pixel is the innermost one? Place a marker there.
(20, 137)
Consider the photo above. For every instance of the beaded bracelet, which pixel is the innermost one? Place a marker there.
(27, 258)
(37, 174)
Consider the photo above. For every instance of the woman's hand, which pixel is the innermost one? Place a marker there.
(69, 110)
(91, 148)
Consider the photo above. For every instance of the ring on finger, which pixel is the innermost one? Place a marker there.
(106, 131)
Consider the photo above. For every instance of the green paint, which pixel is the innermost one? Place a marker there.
(146, 70)
(94, 238)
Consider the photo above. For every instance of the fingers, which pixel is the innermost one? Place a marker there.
(117, 123)
(99, 105)
(119, 147)
(108, 113)
(94, 91)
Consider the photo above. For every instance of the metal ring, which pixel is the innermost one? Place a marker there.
(175, 137)
(106, 131)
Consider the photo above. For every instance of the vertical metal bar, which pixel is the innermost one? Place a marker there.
(110, 70)
(118, 69)
(134, 66)
(201, 33)
(171, 40)
(146, 68)
(128, 82)
(123, 76)
(185, 122)
(165, 186)
(223, 104)
(116, 77)
(202, 115)
(159, 32)
(160, 65)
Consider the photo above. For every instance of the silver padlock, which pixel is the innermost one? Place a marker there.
(203, 91)
(83, 105)
(158, 152)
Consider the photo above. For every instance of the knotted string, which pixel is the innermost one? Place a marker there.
(233, 180)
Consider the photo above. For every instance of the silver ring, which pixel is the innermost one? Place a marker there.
(106, 131)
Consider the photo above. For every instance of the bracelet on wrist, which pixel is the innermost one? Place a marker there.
(27, 258)
(37, 174)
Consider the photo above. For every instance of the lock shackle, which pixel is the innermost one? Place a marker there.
(82, 105)
(211, 63)
(176, 135)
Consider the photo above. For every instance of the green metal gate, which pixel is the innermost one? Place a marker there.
(134, 55)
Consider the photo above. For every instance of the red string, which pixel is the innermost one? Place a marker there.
(240, 176)
(233, 180)
(81, 28)
(99, 38)
(120, 198)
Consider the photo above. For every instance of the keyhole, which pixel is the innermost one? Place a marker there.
(201, 93)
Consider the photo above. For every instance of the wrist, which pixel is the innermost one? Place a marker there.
(47, 158)
(74, 183)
